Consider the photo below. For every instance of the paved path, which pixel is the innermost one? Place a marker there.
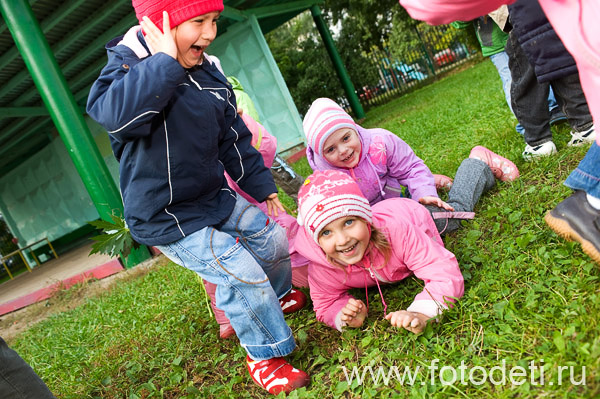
(68, 269)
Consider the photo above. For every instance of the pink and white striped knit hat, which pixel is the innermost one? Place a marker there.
(323, 118)
(327, 196)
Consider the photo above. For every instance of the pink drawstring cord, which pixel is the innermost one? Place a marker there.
(368, 267)
(352, 173)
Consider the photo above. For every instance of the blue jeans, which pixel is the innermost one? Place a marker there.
(586, 176)
(247, 257)
(500, 61)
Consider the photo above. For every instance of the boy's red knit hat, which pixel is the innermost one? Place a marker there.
(327, 196)
(179, 10)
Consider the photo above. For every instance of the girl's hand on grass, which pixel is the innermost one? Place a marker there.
(160, 42)
(412, 321)
(273, 205)
(430, 200)
(354, 313)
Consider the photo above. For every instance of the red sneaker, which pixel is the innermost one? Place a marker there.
(276, 375)
(292, 301)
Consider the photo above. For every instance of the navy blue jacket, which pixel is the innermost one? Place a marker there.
(174, 132)
(544, 49)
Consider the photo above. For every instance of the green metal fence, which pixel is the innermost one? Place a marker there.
(429, 51)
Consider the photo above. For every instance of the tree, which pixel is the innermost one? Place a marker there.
(360, 29)
(370, 21)
(303, 61)
(306, 67)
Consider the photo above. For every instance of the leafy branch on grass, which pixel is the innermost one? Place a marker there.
(115, 238)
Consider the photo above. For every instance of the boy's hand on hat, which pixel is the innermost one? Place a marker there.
(160, 42)
(414, 322)
(354, 313)
(273, 205)
(431, 200)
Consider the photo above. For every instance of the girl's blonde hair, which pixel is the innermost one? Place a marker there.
(377, 241)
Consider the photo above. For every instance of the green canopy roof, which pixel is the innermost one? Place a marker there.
(77, 31)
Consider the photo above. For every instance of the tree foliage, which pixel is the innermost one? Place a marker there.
(359, 28)
(115, 238)
(369, 21)
(306, 66)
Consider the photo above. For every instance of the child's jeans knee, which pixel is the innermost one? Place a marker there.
(247, 258)
(265, 240)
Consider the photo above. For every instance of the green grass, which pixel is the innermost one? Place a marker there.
(529, 295)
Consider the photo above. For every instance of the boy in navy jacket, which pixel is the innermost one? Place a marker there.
(173, 126)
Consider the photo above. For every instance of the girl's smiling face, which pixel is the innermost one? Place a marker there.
(193, 36)
(345, 239)
(342, 148)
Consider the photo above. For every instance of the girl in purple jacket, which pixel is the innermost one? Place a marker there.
(381, 163)
(350, 244)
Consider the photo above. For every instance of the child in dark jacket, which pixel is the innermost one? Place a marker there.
(172, 120)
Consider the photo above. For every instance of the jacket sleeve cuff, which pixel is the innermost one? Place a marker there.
(427, 307)
(339, 323)
(424, 192)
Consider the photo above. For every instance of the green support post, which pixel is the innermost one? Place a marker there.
(65, 113)
(426, 52)
(337, 62)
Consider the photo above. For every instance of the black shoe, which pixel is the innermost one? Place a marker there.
(575, 219)
(556, 115)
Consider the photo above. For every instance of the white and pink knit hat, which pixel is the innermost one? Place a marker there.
(327, 196)
(323, 118)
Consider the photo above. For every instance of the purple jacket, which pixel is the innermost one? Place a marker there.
(387, 164)
(417, 249)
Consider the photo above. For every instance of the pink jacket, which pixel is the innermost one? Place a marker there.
(417, 250)
(575, 22)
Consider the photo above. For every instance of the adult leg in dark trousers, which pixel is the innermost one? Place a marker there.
(529, 98)
(17, 378)
(529, 101)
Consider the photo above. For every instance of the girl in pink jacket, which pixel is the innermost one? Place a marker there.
(350, 244)
(381, 163)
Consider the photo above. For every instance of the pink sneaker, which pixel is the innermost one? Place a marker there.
(502, 168)
(442, 182)
(292, 301)
(276, 375)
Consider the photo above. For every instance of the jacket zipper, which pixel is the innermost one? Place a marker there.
(193, 81)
